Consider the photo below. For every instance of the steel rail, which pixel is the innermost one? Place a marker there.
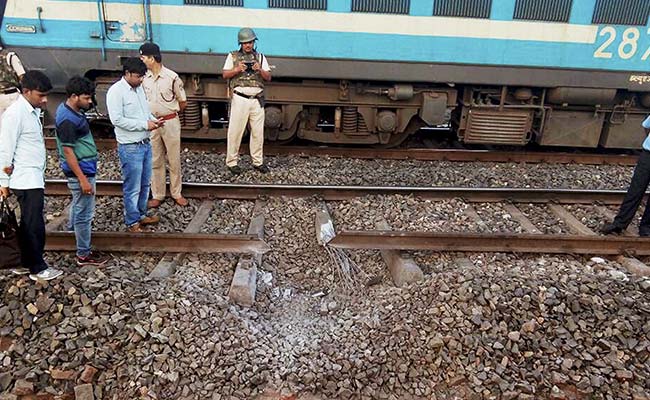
(253, 191)
(406, 154)
(493, 242)
(161, 242)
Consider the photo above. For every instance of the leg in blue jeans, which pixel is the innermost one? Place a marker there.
(82, 211)
(132, 160)
(145, 180)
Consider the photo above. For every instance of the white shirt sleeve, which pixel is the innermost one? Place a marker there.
(16, 64)
(265, 63)
(229, 62)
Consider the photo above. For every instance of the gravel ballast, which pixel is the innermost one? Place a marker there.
(478, 326)
(210, 168)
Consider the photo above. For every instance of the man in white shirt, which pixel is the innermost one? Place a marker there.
(22, 169)
(247, 70)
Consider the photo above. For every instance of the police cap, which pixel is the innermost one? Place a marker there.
(149, 49)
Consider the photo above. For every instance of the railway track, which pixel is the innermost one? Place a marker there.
(161, 242)
(407, 154)
(579, 239)
(58, 187)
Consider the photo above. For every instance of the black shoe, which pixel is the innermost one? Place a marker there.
(263, 168)
(608, 229)
(235, 170)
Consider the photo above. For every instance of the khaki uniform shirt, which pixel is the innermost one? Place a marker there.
(164, 92)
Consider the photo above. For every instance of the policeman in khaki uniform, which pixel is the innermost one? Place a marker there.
(247, 70)
(11, 72)
(166, 97)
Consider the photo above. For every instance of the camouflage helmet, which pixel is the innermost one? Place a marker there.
(246, 35)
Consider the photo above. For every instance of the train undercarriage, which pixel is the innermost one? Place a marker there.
(353, 113)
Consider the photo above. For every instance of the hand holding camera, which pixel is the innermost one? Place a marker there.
(246, 66)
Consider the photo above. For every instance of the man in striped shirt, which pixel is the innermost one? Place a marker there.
(78, 158)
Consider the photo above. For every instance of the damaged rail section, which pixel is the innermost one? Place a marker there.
(582, 240)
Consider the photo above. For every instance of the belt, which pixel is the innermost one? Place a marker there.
(249, 96)
(143, 141)
(9, 90)
(168, 116)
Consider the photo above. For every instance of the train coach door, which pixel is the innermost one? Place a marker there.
(126, 20)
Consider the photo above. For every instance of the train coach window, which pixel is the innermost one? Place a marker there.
(381, 6)
(462, 8)
(299, 4)
(543, 10)
(224, 3)
(621, 12)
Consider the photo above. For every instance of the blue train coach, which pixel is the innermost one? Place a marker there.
(554, 72)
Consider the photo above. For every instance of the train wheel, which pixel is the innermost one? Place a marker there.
(397, 139)
(283, 142)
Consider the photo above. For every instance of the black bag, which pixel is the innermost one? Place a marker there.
(9, 247)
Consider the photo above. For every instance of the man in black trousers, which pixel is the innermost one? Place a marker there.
(635, 192)
(22, 169)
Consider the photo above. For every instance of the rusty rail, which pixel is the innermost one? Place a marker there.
(161, 242)
(406, 154)
(493, 242)
(253, 191)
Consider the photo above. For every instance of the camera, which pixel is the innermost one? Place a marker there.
(249, 66)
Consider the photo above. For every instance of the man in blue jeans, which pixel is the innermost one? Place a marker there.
(78, 159)
(129, 112)
(635, 193)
